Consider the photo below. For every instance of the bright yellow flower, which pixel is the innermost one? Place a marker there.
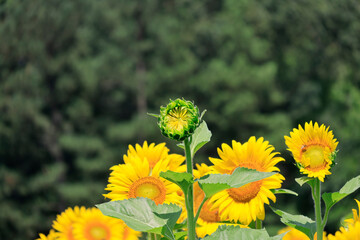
(294, 234)
(153, 153)
(136, 178)
(246, 204)
(93, 225)
(351, 229)
(209, 219)
(64, 223)
(351, 233)
(312, 149)
(355, 218)
(50, 236)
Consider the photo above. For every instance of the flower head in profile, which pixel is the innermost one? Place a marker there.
(209, 219)
(179, 119)
(246, 203)
(135, 178)
(313, 149)
(153, 153)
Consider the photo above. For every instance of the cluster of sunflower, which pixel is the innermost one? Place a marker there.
(80, 223)
(313, 148)
(139, 177)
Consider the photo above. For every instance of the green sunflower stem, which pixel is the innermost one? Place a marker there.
(152, 236)
(190, 196)
(316, 192)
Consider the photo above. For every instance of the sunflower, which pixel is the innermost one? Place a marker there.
(179, 119)
(246, 203)
(50, 236)
(313, 149)
(355, 218)
(209, 219)
(135, 178)
(93, 225)
(153, 153)
(64, 223)
(294, 234)
(130, 234)
(351, 231)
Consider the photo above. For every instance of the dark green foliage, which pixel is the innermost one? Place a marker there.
(78, 77)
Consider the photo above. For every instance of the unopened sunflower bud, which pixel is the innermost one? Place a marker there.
(179, 119)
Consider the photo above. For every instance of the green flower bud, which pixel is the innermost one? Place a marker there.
(179, 119)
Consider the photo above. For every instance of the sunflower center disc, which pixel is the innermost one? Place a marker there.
(316, 156)
(148, 187)
(178, 118)
(245, 193)
(207, 215)
(98, 233)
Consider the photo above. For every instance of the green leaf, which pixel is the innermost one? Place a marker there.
(142, 214)
(331, 199)
(351, 186)
(153, 115)
(214, 183)
(302, 180)
(202, 114)
(183, 180)
(299, 222)
(283, 191)
(201, 136)
(226, 232)
(180, 235)
(181, 145)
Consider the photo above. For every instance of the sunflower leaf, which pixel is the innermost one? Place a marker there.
(201, 136)
(226, 232)
(183, 180)
(302, 180)
(283, 191)
(214, 183)
(299, 222)
(142, 214)
(180, 235)
(331, 199)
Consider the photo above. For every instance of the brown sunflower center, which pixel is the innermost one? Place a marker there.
(245, 193)
(250, 165)
(97, 232)
(207, 215)
(148, 187)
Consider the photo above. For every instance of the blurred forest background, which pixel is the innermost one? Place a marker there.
(78, 77)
